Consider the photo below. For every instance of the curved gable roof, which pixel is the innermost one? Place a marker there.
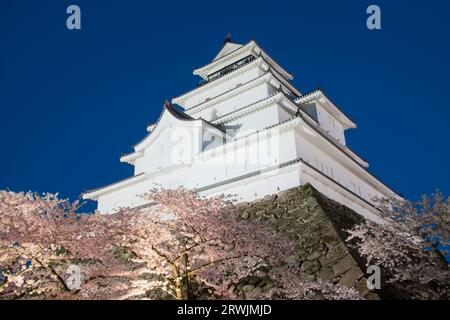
(180, 115)
(174, 114)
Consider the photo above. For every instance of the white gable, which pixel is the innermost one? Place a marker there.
(227, 48)
(175, 139)
(171, 141)
(168, 119)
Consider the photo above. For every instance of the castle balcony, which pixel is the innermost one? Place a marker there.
(227, 70)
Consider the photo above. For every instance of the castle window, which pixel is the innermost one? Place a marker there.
(311, 110)
(231, 67)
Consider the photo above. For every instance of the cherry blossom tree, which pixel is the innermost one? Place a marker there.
(41, 236)
(290, 285)
(192, 241)
(182, 246)
(411, 245)
(186, 238)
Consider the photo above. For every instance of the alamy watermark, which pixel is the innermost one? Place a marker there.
(233, 147)
(74, 278)
(73, 21)
(374, 280)
(374, 20)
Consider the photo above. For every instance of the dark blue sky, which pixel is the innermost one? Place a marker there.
(72, 101)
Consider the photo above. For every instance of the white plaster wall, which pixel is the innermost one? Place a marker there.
(237, 159)
(330, 124)
(283, 114)
(235, 102)
(232, 160)
(122, 198)
(173, 145)
(248, 190)
(268, 184)
(263, 118)
(259, 186)
(212, 169)
(221, 87)
(211, 140)
(334, 168)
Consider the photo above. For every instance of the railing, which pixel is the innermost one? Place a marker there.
(289, 93)
(227, 70)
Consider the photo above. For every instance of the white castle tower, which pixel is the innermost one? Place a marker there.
(248, 132)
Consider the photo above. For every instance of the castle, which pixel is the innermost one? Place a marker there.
(246, 131)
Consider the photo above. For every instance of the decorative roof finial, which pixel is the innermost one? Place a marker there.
(167, 103)
(227, 38)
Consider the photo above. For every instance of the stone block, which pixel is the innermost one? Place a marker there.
(343, 265)
(248, 288)
(256, 292)
(361, 286)
(371, 296)
(314, 256)
(267, 287)
(351, 277)
(326, 273)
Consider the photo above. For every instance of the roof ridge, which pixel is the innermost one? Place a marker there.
(178, 113)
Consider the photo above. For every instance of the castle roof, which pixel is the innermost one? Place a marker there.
(227, 55)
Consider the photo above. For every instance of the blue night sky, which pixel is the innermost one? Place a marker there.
(72, 101)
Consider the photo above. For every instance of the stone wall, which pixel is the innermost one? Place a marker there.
(316, 224)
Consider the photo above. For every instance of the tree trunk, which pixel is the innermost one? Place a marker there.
(178, 289)
(185, 282)
(181, 279)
